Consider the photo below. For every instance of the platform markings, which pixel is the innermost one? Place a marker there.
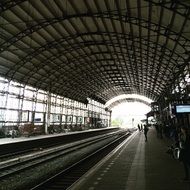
(94, 169)
(137, 171)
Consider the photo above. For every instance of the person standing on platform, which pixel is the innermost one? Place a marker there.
(184, 156)
(145, 132)
(139, 127)
(157, 130)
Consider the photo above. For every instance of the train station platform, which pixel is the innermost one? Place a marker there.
(9, 140)
(136, 165)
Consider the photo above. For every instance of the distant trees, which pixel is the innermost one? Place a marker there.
(117, 122)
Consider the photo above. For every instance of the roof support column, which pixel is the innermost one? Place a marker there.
(110, 115)
(47, 123)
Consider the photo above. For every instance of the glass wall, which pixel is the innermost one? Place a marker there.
(21, 104)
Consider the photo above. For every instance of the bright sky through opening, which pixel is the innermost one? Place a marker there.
(131, 113)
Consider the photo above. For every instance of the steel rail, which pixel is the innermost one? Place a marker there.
(13, 166)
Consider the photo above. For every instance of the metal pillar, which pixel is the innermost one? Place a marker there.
(47, 124)
(109, 125)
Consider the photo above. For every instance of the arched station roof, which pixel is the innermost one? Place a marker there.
(98, 48)
(117, 102)
(127, 98)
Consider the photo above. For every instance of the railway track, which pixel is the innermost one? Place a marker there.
(21, 163)
(67, 177)
(37, 146)
(22, 147)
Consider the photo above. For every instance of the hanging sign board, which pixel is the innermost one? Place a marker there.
(182, 108)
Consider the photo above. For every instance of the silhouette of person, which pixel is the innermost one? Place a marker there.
(145, 132)
(139, 127)
(184, 156)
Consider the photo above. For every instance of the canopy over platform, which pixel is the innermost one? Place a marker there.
(97, 49)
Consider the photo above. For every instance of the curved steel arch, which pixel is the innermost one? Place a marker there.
(93, 75)
(91, 79)
(75, 36)
(100, 52)
(4, 6)
(54, 44)
(171, 5)
(70, 68)
(117, 102)
(114, 15)
(148, 93)
(53, 57)
(46, 22)
(58, 80)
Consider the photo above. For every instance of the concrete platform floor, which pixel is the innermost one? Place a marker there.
(137, 165)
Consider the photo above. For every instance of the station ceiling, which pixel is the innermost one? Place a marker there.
(95, 48)
(130, 100)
